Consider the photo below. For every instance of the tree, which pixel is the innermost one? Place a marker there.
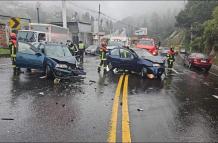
(211, 31)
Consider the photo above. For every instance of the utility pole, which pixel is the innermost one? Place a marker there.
(99, 13)
(64, 13)
(37, 8)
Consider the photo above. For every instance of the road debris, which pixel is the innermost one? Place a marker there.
(43, 77)
(63, 105)
(140, 110)
(215, 96)
(92, 81)
(56, 81)
(121, 103)
(7, 119)
(41, 93)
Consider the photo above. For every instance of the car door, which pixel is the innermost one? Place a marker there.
(28, 56)
(128, 60)
(114, 58)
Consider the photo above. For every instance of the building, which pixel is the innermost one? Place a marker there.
(81, 31)
(4, 36)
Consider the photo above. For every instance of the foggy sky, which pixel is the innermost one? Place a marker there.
(119, 9)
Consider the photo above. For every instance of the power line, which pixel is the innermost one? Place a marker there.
(105, 15)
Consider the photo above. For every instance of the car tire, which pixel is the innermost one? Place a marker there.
(111, 68)
(207, 69)
(48, 72)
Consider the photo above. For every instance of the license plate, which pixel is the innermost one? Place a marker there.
(203, 61)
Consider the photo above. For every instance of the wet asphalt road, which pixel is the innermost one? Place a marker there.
(181, 107)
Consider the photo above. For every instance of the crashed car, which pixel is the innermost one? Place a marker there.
(136, 60)
(54, 59)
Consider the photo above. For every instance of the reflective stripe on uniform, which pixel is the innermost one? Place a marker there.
(81, 46)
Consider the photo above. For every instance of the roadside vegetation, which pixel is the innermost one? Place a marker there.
(199, 23)
(4, 52)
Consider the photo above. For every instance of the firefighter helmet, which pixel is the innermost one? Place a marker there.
(13, 36)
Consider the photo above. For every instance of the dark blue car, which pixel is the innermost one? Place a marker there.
(54, 59)
(137, 60)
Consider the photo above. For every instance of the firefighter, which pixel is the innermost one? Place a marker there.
(103, 62)
(73, 48)
(12, 46)
(170, 57)
(81, 50)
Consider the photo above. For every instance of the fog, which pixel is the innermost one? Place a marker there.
(114, 9)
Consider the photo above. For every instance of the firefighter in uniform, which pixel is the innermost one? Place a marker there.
(103, 62)
(170, 58)
(81, 50)
(73, 48)
(12, 46)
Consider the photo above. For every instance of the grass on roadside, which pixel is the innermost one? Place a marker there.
(4, 51)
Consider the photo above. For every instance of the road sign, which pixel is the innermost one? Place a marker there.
(14, 23)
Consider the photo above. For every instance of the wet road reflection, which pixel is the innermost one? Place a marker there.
(178, 108)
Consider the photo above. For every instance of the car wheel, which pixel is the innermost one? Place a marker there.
(48, 72)
(207, 69)
(111, 68)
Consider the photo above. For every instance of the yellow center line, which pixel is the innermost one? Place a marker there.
(125, 114)
(113, 123)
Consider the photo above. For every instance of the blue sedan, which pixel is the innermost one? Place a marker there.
(136, 60)
(54, 59)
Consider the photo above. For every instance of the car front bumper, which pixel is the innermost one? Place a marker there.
(157, 71)
(66, 74)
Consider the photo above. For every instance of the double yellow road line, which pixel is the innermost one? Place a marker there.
(125, 114)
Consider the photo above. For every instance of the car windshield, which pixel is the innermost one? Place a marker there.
(146, 42)
(57, 51)
(115, 43)
(198, 55)
(26, 36)
(142, 53)
(165, 48)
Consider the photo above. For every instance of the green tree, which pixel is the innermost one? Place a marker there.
(211, 31)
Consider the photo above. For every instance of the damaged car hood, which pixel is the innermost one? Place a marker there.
(70, 59)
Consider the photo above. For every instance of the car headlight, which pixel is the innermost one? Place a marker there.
(63, 66)
(156, 65)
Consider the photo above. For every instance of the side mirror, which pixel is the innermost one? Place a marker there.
(38, 54)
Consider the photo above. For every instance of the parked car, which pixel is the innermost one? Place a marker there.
(148, 44)
(198, 60)
(182, 51)
(92, 50)
(135, 60)
(54, 59)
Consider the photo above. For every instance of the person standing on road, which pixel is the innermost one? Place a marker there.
(81, 50)
(73, 48)
(103, 62)
(12, 46)
(170, 57)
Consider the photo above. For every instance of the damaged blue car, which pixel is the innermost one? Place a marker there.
(55, 60)
(136, 60)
